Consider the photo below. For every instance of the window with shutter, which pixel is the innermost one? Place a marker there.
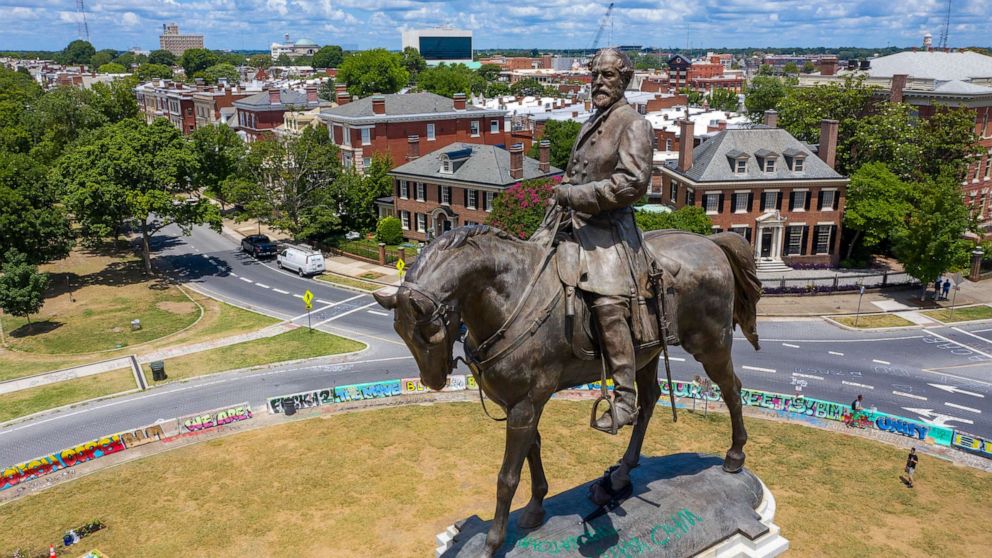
(828, 200)
(798, 201)
(769, 200)
(712, 203)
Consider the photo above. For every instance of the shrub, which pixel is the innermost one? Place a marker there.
(389, 230)
(520, 209)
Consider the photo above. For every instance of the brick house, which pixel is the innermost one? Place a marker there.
(766, 185)
(456, 185)
(381, 124)
(170, 100)
(209, 103)
(265, 111)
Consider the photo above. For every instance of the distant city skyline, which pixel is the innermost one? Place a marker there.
(552, 24)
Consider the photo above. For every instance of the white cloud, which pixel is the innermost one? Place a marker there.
(130, 19)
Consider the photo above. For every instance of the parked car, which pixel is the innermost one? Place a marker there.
(302, 261)
(259, 245)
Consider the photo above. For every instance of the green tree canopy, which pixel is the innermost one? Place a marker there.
(327, 90)
(790, 68)
(528, 87)
(373, 71)
(22, 287)
(447, 80)
(808, 67)
(260, 61)
(128, 59)
(217, 152)
(283, 60)
(131, 171)
(520, 209)
(101, 57)
(31, 219)
(149, 71)
(497, 89)
(329, 56)
(77, 52)
(413, 62)
(389, 230)
(162, 57)
(723, 99)
(878, 203)
(687, 218)
(359, 191)
(562, 135)
(196, 60)
(111, 68)
(489, 72)
(764, 93)
(217, 72)
(18, 93)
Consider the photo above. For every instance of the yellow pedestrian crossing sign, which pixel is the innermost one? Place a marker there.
(400, 266)
(308, 299)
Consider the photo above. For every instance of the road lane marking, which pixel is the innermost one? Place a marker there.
(983, 330)
(955, 389)
(758, 369)
(885, 362)
(909, 395)
(856, 384)
(261, 285)
(233, 274)
(676, 359)
(343, 314)
(972, 334)
(321, 309)
(378, 313)
(970, 348)
(246, 280)
(810, 376)
(299, 296)
(790, 345)
(963, 408)
(280, 291)
(835, 353)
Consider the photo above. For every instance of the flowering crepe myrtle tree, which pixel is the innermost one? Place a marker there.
(520, 209)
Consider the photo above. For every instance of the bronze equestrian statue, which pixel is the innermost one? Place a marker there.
(524, 343)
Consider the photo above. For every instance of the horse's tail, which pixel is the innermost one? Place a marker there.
(747, 286)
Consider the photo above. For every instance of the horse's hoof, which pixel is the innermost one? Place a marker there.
(733, 464)
(531, 520)
(599, 495)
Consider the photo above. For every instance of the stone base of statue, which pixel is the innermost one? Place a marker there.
(682, 505)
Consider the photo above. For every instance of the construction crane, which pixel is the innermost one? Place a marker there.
(82, 28)
(602, 27)
(942, 43)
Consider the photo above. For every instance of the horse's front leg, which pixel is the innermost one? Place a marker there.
(521, 429)
(534, 512)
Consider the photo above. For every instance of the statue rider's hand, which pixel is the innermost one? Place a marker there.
(560, 197)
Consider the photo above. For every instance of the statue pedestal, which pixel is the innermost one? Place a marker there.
(682, 505)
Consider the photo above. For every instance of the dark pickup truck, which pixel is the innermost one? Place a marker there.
(259, 245)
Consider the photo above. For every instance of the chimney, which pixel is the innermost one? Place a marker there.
(587, 104)
(312, 94)
(828, 142)
(686, 136)
(274, 96)
(517, 161)
(575, 114)
(459, 99)
(340, 88)
(343, 98)
(544, 149)
(412, 147)
(898, 84)
(771, 118)
(828, 66)
(378, 104)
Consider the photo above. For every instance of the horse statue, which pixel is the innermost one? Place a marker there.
(521, 352)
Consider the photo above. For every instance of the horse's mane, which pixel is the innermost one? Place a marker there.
(455, 238)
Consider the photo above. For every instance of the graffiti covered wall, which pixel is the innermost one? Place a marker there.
(374, 390)
(69, 457)
(213, 418)
(972, 444)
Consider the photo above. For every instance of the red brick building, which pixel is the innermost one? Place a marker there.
(168, 99)
(701, 76)
(456, 185)
(383, 123)
(262, 112)
(209, 103)
(766, 185)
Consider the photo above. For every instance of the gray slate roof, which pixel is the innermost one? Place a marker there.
(712, 160)
(958, 87)
(400, 105)
(286, 97)
(943, 66)
(488, 165)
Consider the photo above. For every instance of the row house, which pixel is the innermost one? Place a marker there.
(703, 77)
(261, 113)
(210, 102)
(766, 185)
(170, 100)
(456, 185)
(382, 124)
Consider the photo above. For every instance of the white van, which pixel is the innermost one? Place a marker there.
(303, 261)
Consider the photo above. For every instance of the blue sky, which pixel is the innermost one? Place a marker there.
(254, 24)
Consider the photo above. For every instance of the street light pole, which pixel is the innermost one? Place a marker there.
(860, 296)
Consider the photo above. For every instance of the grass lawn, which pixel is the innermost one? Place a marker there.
(25, 402)
(349, 282)
(837, 495)
(961, 314)
(868, 321)
(295, 344)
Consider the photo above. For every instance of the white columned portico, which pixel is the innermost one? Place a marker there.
(769, 239)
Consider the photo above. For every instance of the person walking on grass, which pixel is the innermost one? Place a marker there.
(911, 462)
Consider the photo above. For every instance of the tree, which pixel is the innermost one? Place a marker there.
(232, 58)
(260, 61)
(116, 100)
(373, 71)
(329, 56)
(724, 99)
(520, 209)
(162, 57)
(358, 193)
(217, 72)
(327, 90)
(764, 93)
(389, 230)
(808, 67)
(562, 135)
(59, 117)
(489, 72)
(217, 152)
(128, 59)
(528, 87)
(22, 287)
(447, 80)
(931, 241)
(283, 60)
(196, 60)
(111, 68)
(18, 93)
(497, 89)
(687, 218)
(146, 72)
(77, 52)
(878, 203)
(692, 96)
(766, 70)
(414, 63)
(31, 219)
(133, 172)
(101, 57)
(790, 68)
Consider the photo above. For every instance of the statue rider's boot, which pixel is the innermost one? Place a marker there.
(617, 343)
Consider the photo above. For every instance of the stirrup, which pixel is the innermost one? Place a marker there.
(613, 415)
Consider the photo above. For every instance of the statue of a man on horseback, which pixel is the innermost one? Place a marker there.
(609, 170)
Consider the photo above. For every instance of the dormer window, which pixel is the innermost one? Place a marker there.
(738, 161)
(796, 159)
(445, 165)
(740, 166)
(766, 159)
(797, 164)
(769, 165)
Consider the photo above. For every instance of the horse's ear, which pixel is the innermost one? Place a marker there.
(385, 299)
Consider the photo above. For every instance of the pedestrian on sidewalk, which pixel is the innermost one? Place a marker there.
(911, 460)
(947, 288)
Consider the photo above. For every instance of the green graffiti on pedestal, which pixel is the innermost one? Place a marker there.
(661, 534)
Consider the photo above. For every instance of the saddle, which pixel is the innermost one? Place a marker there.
(650, 317)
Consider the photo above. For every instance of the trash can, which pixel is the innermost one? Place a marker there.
(289, 407)
(158, 370)
(135, 324)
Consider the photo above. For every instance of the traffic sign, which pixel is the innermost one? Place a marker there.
(400, 266)
(957, 278)
(308, 299)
